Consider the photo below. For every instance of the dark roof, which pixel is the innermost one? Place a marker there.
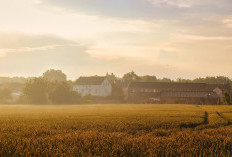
(189, 94)
(171, 86)
(123, 83)
(94, 80)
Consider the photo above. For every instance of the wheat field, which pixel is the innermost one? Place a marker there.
(115, 130)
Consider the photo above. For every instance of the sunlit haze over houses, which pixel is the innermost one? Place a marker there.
(166, 38)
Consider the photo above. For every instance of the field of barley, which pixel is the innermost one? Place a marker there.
(115, 130)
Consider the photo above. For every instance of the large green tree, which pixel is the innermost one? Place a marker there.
(62, 93)
(148, 78)
(112, 77)
(55, 75)
(131, 76)
(36, 91)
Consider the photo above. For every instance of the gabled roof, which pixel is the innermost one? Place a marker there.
(171, 86)
(94, 80)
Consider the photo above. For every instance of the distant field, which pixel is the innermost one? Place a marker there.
(115, 130)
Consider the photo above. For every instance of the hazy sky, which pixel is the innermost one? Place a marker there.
(166, 38)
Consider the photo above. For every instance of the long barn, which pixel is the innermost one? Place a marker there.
(188, 93)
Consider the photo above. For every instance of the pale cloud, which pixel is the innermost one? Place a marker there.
(144, 9)
(14, 40)
(228, 22)
(177, 3)
(30, 18)
(4, 52)
(167, 38)
(206, 38)
(72, 59)
(188, 4)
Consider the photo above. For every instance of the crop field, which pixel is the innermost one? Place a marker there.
(115, 130)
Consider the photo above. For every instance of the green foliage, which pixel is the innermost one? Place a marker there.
(165, 80)
(111, 77)
(131, 76)
(117, 93)
(148, 78)
(5, 95)
(42, 91)
(55, 75)
(75, 97)
(14, 83)
(226, 98)
(183, 80)
(21, 80)
(36, 91)
(214, 80)
(62, 93)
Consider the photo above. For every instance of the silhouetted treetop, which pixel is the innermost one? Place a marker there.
(55, 75)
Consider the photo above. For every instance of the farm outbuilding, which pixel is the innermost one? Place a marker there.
(188, 93)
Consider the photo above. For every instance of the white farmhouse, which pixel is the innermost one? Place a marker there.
(95, 86)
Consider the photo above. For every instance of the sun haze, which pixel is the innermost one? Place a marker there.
(179, 38)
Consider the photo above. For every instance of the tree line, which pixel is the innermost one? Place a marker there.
(54, 88)
(132, 76)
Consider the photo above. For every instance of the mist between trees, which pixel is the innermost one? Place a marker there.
(54, 88)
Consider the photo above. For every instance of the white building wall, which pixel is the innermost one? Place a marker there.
(103, 90)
